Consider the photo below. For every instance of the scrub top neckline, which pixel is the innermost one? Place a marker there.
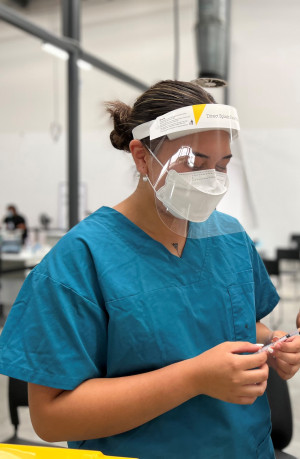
(147, 236)
(144, 234)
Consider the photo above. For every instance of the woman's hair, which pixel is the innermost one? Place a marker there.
(161, 98)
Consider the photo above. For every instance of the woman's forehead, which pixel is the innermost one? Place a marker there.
(204, 137)
(203, 142)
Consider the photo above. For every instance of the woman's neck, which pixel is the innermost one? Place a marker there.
(141, 209)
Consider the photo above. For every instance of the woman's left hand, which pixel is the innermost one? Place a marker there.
(285, 358)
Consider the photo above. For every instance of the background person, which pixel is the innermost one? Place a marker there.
(137, 331)
(15, 221)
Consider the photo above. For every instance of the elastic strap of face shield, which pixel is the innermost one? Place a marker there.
(163, 167)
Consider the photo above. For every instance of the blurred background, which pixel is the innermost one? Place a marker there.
(253, 44)
(143, 39)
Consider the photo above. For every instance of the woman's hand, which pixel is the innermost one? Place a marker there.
(226, 375)
(285, 358)
(298, 320)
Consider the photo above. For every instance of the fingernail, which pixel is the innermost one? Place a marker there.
(259, 345)
(270, 350)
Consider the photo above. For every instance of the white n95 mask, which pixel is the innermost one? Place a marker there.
(193, 196)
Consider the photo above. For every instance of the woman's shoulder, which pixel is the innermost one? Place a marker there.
(80, 247)
(98, 222)
(93, 229)
(222, 224)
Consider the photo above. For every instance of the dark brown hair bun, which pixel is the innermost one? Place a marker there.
(121, 135)
(161, 98)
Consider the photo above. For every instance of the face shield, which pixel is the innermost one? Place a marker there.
(190, 149)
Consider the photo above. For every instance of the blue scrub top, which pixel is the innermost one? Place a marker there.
(110, 301)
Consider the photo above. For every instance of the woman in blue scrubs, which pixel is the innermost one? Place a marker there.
(137, 333)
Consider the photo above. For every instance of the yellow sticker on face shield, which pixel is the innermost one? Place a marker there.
(198, 110)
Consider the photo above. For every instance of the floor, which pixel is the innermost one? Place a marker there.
(285, 313)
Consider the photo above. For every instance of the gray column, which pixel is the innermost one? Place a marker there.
(71, 29)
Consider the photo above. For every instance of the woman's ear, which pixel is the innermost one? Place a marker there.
(140, 156)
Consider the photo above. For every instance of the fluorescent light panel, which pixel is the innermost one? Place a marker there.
(61, 54)
(84, 65)
(57, 52)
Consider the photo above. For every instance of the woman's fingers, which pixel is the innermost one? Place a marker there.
(251, 391)
(289, 358)
(291, 345)
(287, 355)
(257, 376)
(247, 362)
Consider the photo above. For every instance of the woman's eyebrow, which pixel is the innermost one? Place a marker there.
(202, 155)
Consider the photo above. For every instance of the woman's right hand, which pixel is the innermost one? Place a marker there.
(222, 373)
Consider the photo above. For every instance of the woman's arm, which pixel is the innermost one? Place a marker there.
(263, 334)
(104, 407)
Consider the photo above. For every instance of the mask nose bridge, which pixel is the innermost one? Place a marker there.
(209, 164)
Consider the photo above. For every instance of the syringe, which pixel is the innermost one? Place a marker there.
(283, 338)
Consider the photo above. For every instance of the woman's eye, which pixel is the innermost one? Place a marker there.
(199, 168)
(223, 165)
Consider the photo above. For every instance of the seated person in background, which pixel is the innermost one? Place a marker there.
(15, 221)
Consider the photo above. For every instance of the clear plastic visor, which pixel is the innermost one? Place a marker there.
(189, 177)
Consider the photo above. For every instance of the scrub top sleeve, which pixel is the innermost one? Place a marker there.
(266, 296)
(53, 336)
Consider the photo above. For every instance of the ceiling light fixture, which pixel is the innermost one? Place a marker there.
(84, 65)
(61, 54)
(57, 52)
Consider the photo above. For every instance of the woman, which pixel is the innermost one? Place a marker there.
(137, 331)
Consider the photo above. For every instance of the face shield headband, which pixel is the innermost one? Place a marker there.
(190, 120)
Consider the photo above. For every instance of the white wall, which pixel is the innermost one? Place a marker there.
(32, 92)
(265, 75)
(137, 36)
